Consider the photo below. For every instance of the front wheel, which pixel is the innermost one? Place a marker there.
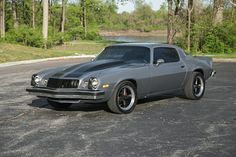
(195, 86)
(124, 98)
(57, 105)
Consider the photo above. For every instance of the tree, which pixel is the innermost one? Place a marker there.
(2, 18)
(63, 18)
(45, 22)
(231, 2)
(174, 10)
(14, 13)
(84, 16)
(190, 9)
(170, 29)
(218, 11)
(33, 14)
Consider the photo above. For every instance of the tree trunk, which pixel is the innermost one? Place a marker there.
(174, 16)
(170, 29)
(14, 13)
(218, 11)
(63, 12)
(84, 16)
(33, 14)
(2, 18)
(45, 22)
(50, 11)
(190, 9)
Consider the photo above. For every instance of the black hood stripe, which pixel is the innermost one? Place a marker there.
(79, 70)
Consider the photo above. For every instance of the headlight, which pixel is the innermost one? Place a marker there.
(38, 81)
(93, 83)
(44, 82)
(35, 80)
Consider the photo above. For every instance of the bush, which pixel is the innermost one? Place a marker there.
(92, 36)
(74, 33)
(211, 39)
(25, 35)
(213, 44)
(220, 39)
(33, 37)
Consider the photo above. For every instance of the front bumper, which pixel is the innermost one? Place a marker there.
(66, 93)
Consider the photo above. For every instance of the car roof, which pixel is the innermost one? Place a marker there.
(149, 45)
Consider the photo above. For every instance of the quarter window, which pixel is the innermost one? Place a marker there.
(168, 54)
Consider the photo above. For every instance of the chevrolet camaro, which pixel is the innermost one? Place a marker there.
(123, 73)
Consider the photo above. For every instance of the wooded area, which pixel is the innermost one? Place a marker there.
(197, 25)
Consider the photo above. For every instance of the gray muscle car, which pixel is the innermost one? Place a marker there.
(123, 73)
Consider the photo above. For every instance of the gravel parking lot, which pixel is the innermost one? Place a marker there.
(162, 126)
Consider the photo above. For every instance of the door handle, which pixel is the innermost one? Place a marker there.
(182, 66)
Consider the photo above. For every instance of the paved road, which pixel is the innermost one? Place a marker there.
(171, 127)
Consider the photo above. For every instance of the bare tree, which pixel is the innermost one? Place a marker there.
(84, 16)
(63, 16)
(45, 21)
(218, 11)
(2, 18)
(190, 9)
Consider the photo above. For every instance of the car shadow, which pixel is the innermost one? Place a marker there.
(85, 107)
(155, 98)
(90, 107)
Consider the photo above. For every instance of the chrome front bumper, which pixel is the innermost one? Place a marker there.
(66, 93)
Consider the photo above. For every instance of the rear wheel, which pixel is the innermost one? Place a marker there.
(59, 105)
(124, 98)
(195, 86)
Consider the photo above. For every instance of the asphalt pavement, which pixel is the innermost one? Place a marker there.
(161, 126)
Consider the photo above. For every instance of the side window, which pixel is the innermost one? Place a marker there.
(168, 54)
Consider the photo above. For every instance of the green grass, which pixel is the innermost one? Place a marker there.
(230, 55)
(14, 52)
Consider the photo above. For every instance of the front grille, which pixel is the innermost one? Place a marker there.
(62, 83)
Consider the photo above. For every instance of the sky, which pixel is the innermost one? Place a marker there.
(129, 6)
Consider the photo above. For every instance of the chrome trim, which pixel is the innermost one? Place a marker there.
(66, 93)
(213, 73)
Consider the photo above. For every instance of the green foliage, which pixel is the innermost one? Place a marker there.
(92, 35)
(102, 15)
(220, 39)
(143, 19)
(213, 44)
(25, 35)
(75, 33)
(207, 37)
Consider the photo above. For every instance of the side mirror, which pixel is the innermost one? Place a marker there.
(160, 61)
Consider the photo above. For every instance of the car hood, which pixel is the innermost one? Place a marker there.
(84, 68)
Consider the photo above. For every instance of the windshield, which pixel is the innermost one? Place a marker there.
(134, 54)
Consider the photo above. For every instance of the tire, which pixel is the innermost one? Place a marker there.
(124, 98)
(195, 86)
(57, 105)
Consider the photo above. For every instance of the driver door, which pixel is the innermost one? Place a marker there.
(169, 75)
